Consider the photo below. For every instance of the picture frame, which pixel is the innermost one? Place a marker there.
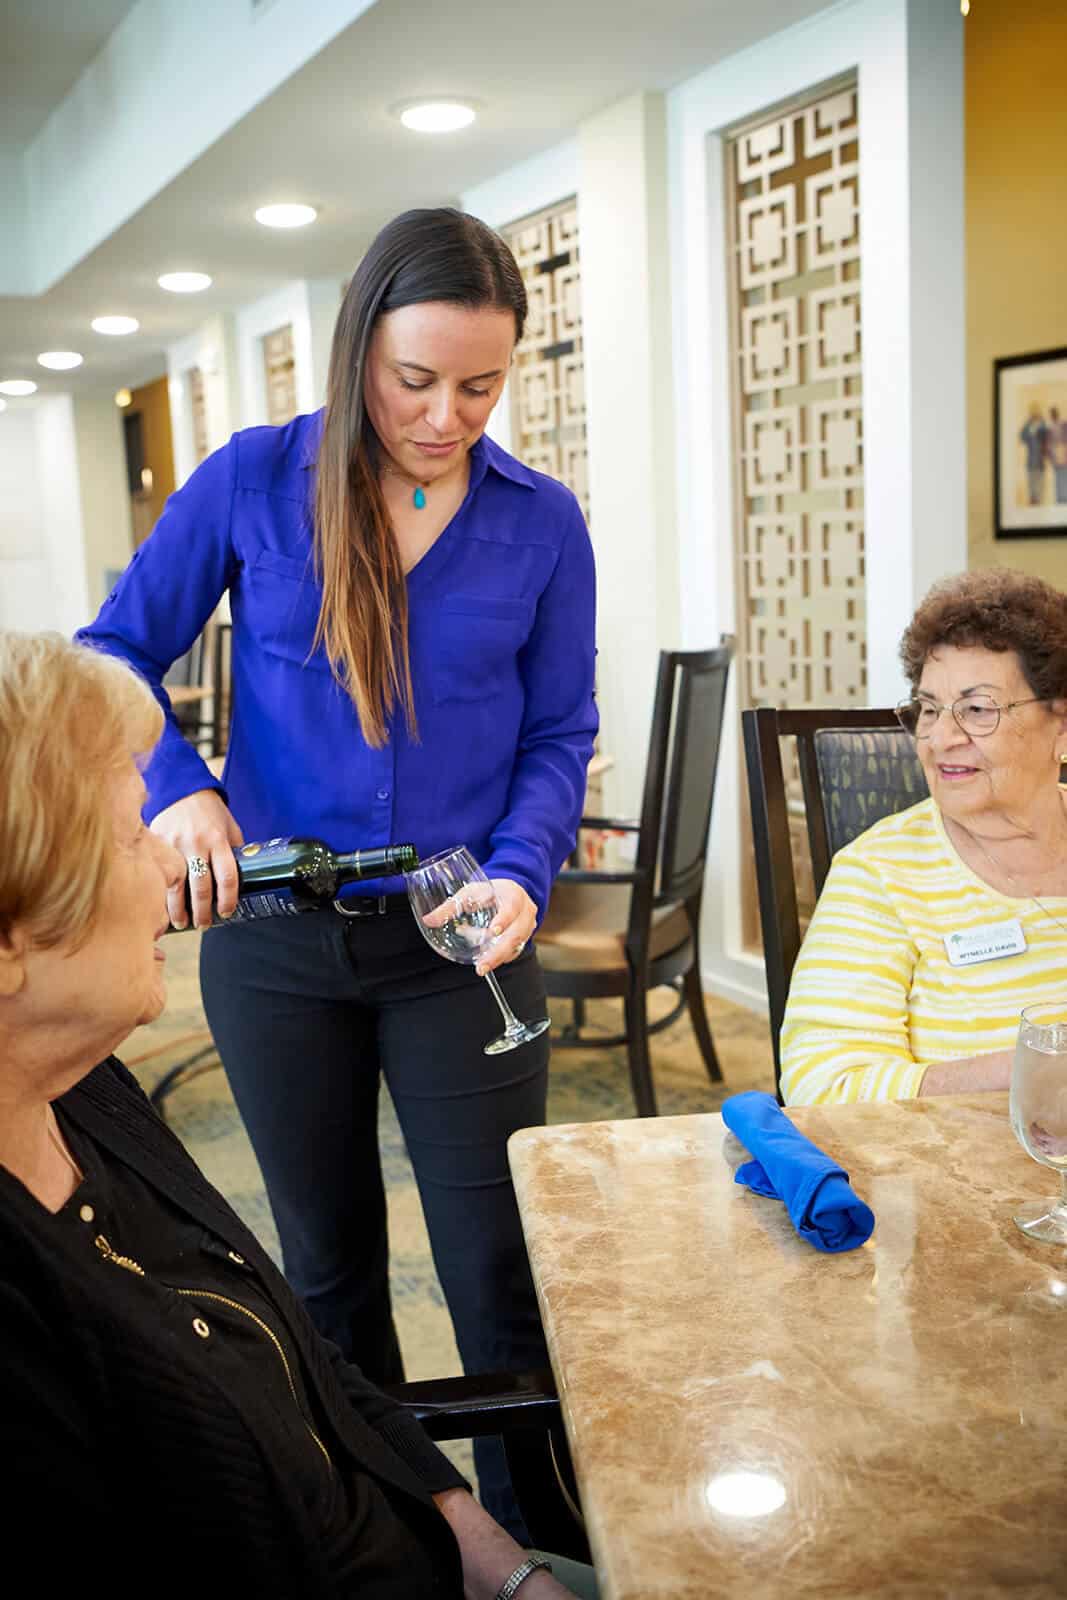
(1030, 445)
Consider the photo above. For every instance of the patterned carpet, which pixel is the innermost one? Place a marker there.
(584, 1086)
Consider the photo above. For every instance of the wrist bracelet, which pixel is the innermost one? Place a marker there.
(510, 1585)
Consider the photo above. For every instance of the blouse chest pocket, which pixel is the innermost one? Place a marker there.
(282, 607)
(475, 645)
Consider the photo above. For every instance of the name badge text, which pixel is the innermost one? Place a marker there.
(991, 943)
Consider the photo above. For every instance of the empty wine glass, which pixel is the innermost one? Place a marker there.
(455, 907)
(1039, 1112)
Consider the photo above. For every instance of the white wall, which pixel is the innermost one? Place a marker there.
(908, 57)
(64, 534)
(25, 586)
(626, 331)
(64, 509)
(104, 492)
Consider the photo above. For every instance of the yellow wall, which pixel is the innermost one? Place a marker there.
(1016, 200)
(152, 400)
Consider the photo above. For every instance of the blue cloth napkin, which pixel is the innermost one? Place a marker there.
(822, 1206)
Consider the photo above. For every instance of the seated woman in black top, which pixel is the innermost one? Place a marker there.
(162, 1392)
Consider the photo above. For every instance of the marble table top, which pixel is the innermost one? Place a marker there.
(750, 1417)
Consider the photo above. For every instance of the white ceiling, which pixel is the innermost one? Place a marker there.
(44, 46)
(328, 136)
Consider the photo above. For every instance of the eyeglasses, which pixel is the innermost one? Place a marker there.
(977, 714)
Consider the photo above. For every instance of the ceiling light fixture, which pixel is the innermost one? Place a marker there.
(286, 216)
(123, 397)
(184, 282)
(59, 360)
(115, 326)
(18, 386)
(437, 116)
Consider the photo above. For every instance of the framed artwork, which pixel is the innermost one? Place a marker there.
(1030, 445)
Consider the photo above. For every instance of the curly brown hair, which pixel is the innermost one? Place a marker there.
(994, 610)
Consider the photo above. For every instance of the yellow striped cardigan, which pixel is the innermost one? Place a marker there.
(873, 999)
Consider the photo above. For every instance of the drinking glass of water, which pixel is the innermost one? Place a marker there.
(1039, 1112)
(455, 907)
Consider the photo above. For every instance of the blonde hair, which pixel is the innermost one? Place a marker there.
(70, 718)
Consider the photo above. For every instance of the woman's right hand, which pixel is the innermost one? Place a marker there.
(202, 825)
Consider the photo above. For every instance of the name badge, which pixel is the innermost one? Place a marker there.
(990, 943)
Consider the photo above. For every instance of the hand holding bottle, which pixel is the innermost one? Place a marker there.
(202, 827)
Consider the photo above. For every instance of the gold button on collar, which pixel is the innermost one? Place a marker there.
(201, 1328)
(87, 1214)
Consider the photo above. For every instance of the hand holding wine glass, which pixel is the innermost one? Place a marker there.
(1039, 1112)
(457, 909)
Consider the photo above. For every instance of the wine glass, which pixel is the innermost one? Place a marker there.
(455, 907)
(1039, 1112)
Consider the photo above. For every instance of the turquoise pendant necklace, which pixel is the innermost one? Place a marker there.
(418, 499)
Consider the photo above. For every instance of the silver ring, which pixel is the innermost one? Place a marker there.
(198, 867)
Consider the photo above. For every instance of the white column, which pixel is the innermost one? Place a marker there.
(626, 333)
(103, 489)
(212, 348)
(61, 513)
(324, 302)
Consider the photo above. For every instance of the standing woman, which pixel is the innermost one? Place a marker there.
(413, 657)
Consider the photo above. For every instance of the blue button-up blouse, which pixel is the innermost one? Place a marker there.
(501, 640)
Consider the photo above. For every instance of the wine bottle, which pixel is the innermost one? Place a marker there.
(283, 877)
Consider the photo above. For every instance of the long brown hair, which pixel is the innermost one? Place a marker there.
(424, 255)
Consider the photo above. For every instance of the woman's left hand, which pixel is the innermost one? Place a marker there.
(515, 921)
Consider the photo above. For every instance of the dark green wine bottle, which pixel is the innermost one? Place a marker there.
(283, 877)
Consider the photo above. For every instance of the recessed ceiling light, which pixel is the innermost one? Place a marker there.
(123, 397)
(18, 386)
(437, 116)
(59, 360)
(286, 216)
(185, 282)
(115, 325)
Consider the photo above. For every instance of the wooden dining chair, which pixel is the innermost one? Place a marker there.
(622, 933)
(523, 1409)
(856, 766)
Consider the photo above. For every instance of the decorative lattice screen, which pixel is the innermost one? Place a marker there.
(796, 332)
(198, 413)
(547, 384)
(279, 367)
(548, 378)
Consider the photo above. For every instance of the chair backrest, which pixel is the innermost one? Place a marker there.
(222, 685)
(683, 759)
(189, 668)
(856, 766)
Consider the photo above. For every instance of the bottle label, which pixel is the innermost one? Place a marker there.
(278, 903)
(264, 851)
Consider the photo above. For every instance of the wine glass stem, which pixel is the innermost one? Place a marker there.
(506, 1012)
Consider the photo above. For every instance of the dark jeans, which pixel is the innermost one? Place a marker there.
(307, 1012)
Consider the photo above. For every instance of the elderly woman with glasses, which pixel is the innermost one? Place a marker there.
(938, 925)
